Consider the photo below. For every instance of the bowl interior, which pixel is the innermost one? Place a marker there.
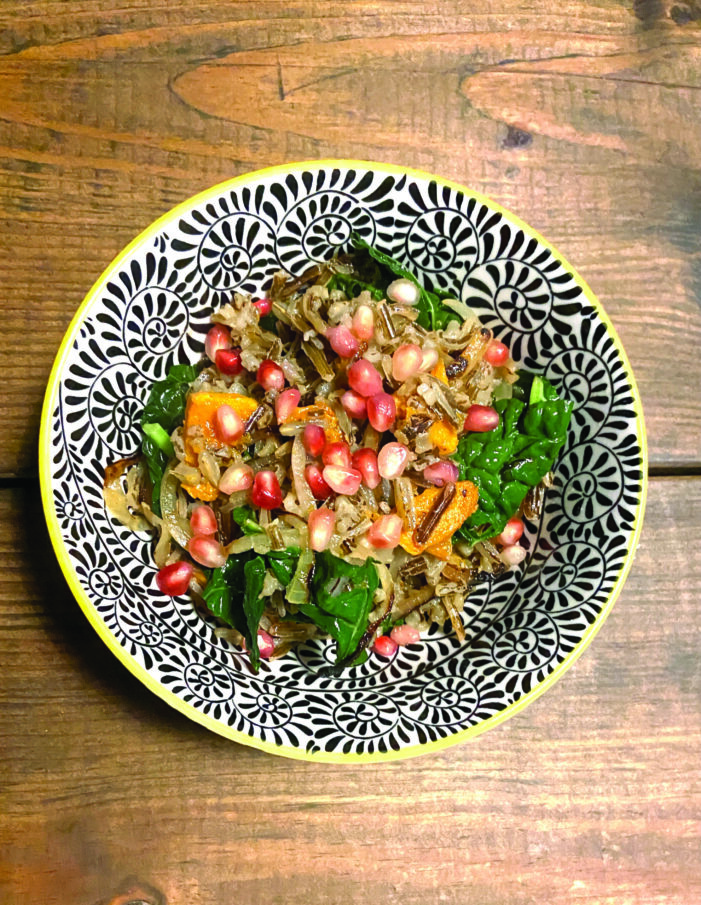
(151, 308)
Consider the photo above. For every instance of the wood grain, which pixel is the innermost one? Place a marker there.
(591, 795)
(578, 117)
(581, 117)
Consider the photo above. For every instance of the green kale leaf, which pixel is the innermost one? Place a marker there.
(341, 600)
(163, 412)
(506, 462)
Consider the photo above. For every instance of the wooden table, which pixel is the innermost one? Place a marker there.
(582, 117)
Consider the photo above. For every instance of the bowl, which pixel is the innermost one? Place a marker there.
(151, 308)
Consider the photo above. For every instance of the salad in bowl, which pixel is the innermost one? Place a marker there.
(354, 453)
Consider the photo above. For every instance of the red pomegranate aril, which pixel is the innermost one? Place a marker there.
(441, 473)
(513, 555)
(270, 375)
(364, 378)
(363, 323)
(321, 524)
(174, 579)
(313, 439)
(496, 353)
(286, 403)
(429, 359)
(337, 453)
(513, 530)
(203, 521)
(382, 411)
(384, 646)
(392, 459)
(266, 493)
(236, 478)
(263, 306)
(228, 425)
(342, 480)
(318, 486)
(404, 634)
(342, 341)
(217, 338)
(406, 361)
(403, 292)
(385, 532)
(229, 361)
(266, 644)
(481, 418)
(365, 461)
(354, 404)
(207, 552)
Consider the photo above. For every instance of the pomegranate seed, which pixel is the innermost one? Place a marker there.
(512, 532)
(496, 353)
(382, 411)
(404, 292)
(321, 524)
(342, 480)
(229, 361)
(392, 460)
(354, 404)
(266, 493)
(441, 473)
(263, 306)
(513, 555)
(337, 454)
(404, 634)
(286, 403)
(406, 361)
(266, 645)
(429, 360)
(217, 338)
(228, 425)
(313, 439)
(481, 418)
(235, 478)
(174, 579)
(270, 376)
(363, 323)
(385, 532)
(344, 344)
(207, 552)
(384, 646)
(365, 461)
(203, 521)
(364, 378)
(318, 486)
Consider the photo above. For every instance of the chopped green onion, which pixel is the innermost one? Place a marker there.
(160, 437)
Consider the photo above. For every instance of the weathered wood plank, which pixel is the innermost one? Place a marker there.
(578, 117)
(591, 795)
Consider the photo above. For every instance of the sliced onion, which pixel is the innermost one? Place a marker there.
(117, 501)
(298, 461)
(178, 526)
(162, 549)
(404, 501)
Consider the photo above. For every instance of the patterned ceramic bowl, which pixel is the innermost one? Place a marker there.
(151, 308)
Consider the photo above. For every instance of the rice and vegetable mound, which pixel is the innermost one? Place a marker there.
(354, 454)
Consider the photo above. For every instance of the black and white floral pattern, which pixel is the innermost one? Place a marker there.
(152, 309)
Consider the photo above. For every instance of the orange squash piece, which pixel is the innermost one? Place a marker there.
(461, 507)
(438, 371)
(198, 431)
(444, 437)
(202, 491)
